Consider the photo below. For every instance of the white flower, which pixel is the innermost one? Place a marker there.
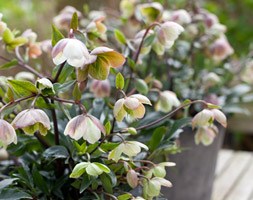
(206, 118)
(84, 126)
(73, 51)
(7, 134)
(32, 120)
(167, 100)
(132, 105)
(181, 16)
(129, 148)
(205, 135)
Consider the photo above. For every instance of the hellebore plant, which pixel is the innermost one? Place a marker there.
(93, 126)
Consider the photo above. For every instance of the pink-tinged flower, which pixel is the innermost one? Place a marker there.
(64, 18)
(104, 59)
(85, 126)
(167, 100)
(129, 148)
(211, 79)
(221, 49)
(97, 25)
(7, 134)
(168, 32)
(210, 19)
(205, 135)
(132, 106)
(137, 40)
(3, 25)
(132, 178)
(100, 89)
(180, 16)
(206, 118)
(73, 51)
(32, 120)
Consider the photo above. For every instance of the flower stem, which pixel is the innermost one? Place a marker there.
(58, 72)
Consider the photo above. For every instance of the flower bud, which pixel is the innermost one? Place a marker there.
(157, 84)
(100, 89)
(45, 86)
(32, 120)
(167, 100)
(221, 49)
(7, 134)
(132, 131)
(132, 178)
(85, 126)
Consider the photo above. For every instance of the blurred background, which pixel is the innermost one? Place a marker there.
(237, 15)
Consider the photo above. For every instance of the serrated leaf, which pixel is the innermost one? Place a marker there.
(74, 21)
(56, 35)
(23, 88)
(9, 65)
(120, 36)
(119, 82)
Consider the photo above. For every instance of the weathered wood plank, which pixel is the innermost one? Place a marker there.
(226, 180)
(244, 187)
(224, 157)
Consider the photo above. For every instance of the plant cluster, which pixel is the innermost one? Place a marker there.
(96, 125)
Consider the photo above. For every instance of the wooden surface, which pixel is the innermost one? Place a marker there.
(234, 176)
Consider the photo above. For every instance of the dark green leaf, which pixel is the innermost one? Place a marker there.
(23, 88)
(157, 137)
(106, 183)
(86, 182)
(9, 65)
(74, 21)
(56, 152)
(149, 40)
(14, 194)
(39, 180)
(56, 35)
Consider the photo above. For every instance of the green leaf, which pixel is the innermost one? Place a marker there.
(119, 82)
(80, 36)
(120, 36)
(23, 88)
(39, 181)
(61, 88)
(77, 94)
(100, 69)
(108, 127)
(80, 148)
(148, 40)
(157, 138)
(65, 73)
(141, 86)
(126, 196)
(86, 182)
(14, 194)
(74, 21)
(8, 36)
(56, 152)
(103, 167)
(106, 183)
(9, 65)
(79, 169)
(56, 35)
(6, 182)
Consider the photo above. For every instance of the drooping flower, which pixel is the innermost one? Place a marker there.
(205, 135)
(32, 120)
(168, 32)
(221, 49)
(104, 59)
(167, 100)
(73, 51)
(180, 16)
(132, 105)
(159, 169)
(129, 148)
(97, 27)
(85, 126)
(7, 134)
(211, 79)
(100, 89)
(206, 118)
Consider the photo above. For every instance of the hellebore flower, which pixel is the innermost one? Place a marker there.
(159, 169)
(206, 117)
(205, 135)
(129, 148)
(100, 89)
(221, 49)
(168, 32)
(105, 58)
(211, 79)
(73, 51)
(97, 26)
(32, 120)
(132, 105)
(127, 8)
(7, 134)
(167, 100)
(179, 16)
(132, 178)
(85, 126)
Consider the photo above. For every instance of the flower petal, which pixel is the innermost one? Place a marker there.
(139, 112)
(92, 133)
(118, 110)
(141, 98)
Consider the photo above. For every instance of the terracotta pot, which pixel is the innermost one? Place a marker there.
(193, 176)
